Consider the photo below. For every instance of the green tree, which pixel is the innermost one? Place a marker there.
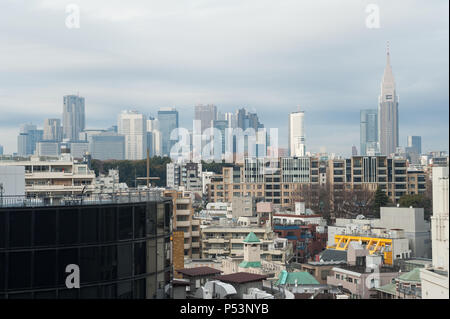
(417, 201)
(130, 170)
(380, 200)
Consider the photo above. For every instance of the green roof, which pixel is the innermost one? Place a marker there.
(389, 288)
(251, 238)
(413, 275)
(302, 277)
(250, 264)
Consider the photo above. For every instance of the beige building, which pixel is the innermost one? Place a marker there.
(55, 177)
(183, 220)
(289, 180)
(227, 241)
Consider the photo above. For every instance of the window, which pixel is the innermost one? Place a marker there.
(21, 263)
(45, 228)
(125, 223)
(20, 229)
(44, 268)
(68, 226)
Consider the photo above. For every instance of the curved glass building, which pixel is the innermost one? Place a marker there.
(121, 246)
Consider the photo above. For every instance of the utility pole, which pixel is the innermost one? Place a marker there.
(148, 178)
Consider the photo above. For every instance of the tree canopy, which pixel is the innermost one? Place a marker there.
(130, 170)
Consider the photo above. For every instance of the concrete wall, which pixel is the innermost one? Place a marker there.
(13, 180)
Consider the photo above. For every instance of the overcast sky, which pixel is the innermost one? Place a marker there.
(267, 56)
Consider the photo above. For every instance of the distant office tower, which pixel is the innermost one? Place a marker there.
(231, 118)
(354, 151)
(28, 137)
(1, 149)
(168, 121)
(107, 146)
(154, 136)
(220, 125)
(368, 130)
(247, 120)
(52, 130)
(73, 117)
(48, 148)
(388, 112)
(415, 143)
(79, 149)
(133, 125)
(207, 114)
(86, 134)
(297, 134)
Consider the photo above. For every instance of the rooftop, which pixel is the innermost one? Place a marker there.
(241, 278)
(129, 196)
(199, 271)
(412, 276)
(251, 238)
(297, 277)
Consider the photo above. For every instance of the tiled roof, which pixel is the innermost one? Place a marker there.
(333, 255)
(241, 277)
(251, 238)
(198, 271)
(412, 276)
(389, 288)
(302, 278)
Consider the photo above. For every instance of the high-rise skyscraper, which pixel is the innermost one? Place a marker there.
(297, 145)
(207, 114)
(28, 137)
(415, 143)
(154, 136)
(368, 130)
(73, 117)
(388, 112)
(133, 125)
(1, 149)
(168, 121)
(52, 130)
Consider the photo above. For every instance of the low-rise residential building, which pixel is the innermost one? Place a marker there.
(55, 177)
(405, 286)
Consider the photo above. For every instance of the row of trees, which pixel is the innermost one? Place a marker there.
(130, 170)
(349, 203)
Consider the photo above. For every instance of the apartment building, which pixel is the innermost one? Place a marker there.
(227, 241)
(278, 181)
(188, 175)
(54, 177)
(370, 172)
(183, 220)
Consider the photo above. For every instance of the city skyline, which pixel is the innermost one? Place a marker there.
(333, 78)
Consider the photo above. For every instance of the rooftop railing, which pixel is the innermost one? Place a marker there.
(129, 196)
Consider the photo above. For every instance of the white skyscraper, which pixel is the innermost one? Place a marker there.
(155, 136)
(52, 130)
(73, 117)
(133, 125)
(388, 112)
(297, 134)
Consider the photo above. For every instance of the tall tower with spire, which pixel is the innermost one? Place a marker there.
(388, 111)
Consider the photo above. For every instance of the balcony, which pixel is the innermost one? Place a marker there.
(195, 244)
(195, 234)
(215, 240)
(184, 212)
(183, 223)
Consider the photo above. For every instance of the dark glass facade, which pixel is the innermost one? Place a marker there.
(122, 250)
